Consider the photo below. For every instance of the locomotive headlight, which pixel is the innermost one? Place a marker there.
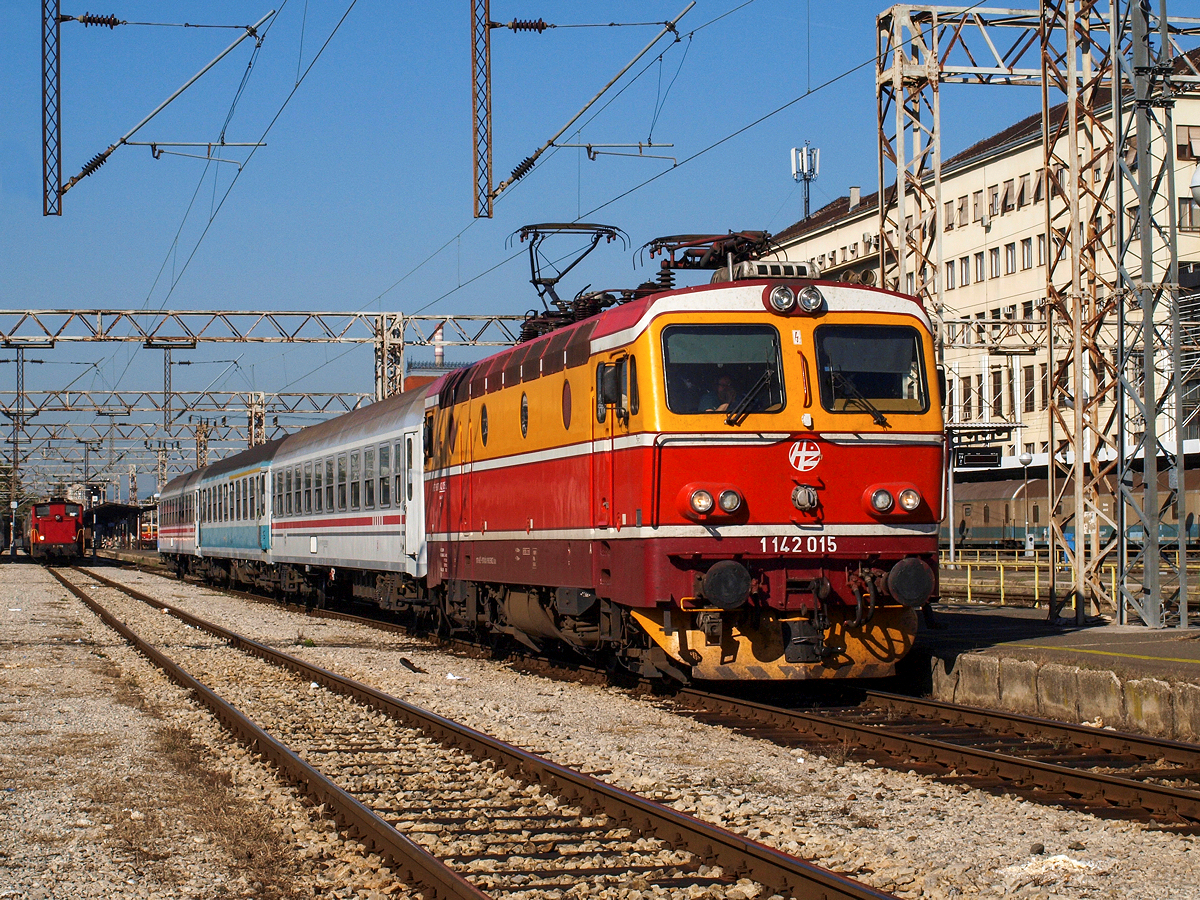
(909, 499)
(701, 501)
(783, 299)
(811, 299)
(882, 501)
(730, 501)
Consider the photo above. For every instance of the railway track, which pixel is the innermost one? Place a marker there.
(1108, 773)
(1112, 774)
(456, 812)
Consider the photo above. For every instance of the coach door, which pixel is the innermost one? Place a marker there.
(610, 420)
(413, 501)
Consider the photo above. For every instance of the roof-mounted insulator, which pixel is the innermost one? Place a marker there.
(666, 276)
(523, 169)
(88, 19)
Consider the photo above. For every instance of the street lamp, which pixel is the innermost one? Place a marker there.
(1025, 459)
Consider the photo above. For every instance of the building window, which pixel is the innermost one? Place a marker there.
(1010, 258)
(1039, 185)
(1027, 253)
(962, 211)
(1024, 194)
(994, 262)
(1008, 197)
(1027, 377)
(1189, 216)
(1187, 141)
(1027, 316)
(964, 271)
(909, 283)
(966, 399)
(977, 206)
(997, 393)
(950, 275)
(994, 200)
(949, 215)
(1045, 381)
(1041, 247)
(980, 394)
(979, 273)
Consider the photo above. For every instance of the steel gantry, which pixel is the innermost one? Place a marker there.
(142, 427)
(1111, 415)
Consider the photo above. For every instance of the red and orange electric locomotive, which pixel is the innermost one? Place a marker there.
(740, 480)
(56, 530)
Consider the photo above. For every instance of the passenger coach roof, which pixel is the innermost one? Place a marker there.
(261, 453)
(181, 483)
(369, 420)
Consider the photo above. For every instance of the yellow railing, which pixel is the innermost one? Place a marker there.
(1011, 578)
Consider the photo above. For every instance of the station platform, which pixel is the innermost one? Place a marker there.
(1127, 677)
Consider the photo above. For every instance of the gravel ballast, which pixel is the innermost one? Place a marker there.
(115, 784)
(899, 832)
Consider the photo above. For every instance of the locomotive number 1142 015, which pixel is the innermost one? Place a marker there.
(799, 543)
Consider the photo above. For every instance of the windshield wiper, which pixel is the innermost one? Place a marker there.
(852, 389)
(738, 414)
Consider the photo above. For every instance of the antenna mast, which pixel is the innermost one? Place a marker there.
(806, 162)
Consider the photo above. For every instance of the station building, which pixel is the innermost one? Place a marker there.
(995, 248)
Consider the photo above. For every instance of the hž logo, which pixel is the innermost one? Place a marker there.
(805, 455)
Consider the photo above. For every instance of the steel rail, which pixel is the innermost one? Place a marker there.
(734, 853)
(1100, 791)
(1084, 736)
(414, 863)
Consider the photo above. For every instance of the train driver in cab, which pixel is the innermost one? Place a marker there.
(721, 398)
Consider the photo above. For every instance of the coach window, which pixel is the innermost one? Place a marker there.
(249, 483)
(341, 481)
(872, 369)
(237, 501)
(524, 416)
(987, 514)
(483, 428)
(329, 485)
(369, 478)
(287, 493)
(355, 486)
(308, 488)
(385, 476)
(317, 486)
(717, 369)
(398, 475)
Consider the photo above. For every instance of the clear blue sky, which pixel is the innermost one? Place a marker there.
(368, 169)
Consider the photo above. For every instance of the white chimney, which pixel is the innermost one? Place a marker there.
(439, 346)
(855, 196)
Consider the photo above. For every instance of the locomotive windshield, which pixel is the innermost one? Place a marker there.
(723, 369)
(874, 369)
